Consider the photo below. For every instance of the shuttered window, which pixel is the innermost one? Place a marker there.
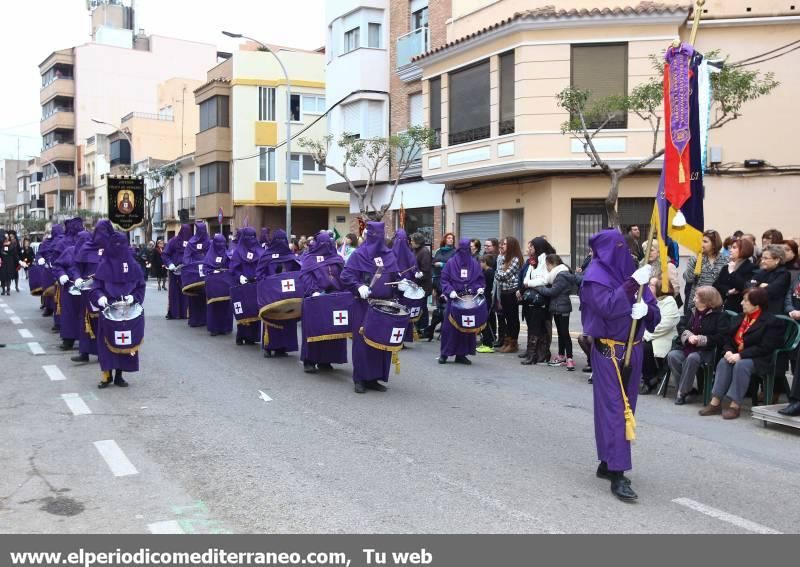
(435, 104)
(415, 117)
(374, 119)
(352, 118)
(479, 225)
(603, 70)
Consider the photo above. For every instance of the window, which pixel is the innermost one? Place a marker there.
(266, 104)
(352, 40)
(214, 113)
(507, 93)
(352, 118)
(435, 102)
(120, 152)
(374, 35)
(419, 14)
(415, 117)
(214, 178)
(191, 185)
(603, 70)
(374, 122)
(295, 165)
(469, 104)
(310, 166)
(294, 105)
(266, 164)
(313, 104)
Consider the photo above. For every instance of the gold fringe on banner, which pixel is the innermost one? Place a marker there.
(131, 351)
(393, 349)
(87, 321)
(467, 330)
(698, 266)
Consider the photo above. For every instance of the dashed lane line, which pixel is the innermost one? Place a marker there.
(25, 333)
(165, 527)
(725, 516)
(115, 458)
(36, 348)
(54, 373)
(76, 404)
(16, 320)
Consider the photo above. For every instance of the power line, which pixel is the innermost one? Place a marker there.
(756, 59)
(767, 52)
(768, 58)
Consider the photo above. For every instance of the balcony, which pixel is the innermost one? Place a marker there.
(166, 117)
(84, 181)
(64, 151)
(63, 86)
(409, 46)
(37, 203)
(61, 119)
(187, 204)
(51, 185)
(167, 210)
(208, 205)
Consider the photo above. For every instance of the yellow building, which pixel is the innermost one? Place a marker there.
(241, 152)
(509, 170)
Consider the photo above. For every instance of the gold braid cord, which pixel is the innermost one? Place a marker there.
(87, 321)
(467, 330)
(58, 300)
(267, 326)
(630, 420)
(131, 351)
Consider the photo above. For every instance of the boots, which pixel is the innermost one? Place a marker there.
(504, 347)
(510, 346)
(530, 352)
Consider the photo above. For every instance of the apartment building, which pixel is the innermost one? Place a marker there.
(9, 196)
(115, 73)
(240, 152)
(509, 170)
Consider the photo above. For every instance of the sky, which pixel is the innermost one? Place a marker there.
(31, 29)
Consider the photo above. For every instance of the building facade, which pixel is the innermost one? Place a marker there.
(509, 170)
(11, 197)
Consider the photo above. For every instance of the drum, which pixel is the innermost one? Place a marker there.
(385, 325)
(280, 297)
(468, 313)
(245, 303)
(74, 290)
(40, 278)
(123, 328)
(218, 286)
(414, 300)
(193, 278)
(327, 317)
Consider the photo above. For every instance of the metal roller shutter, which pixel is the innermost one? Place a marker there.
(479, 225)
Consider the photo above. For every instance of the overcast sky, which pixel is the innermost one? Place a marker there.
(31, 29)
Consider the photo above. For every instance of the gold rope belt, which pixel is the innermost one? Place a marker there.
(267, 326)
(630, 420)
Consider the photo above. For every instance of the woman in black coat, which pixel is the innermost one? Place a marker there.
(734, 278)
(774, 277)
(8, 264)
(27, 255)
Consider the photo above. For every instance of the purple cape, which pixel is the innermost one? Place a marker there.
(322, 266)
(277, 255)
(217, 255)
(406, 259)
(198, 244)
(118, 272)
(363, 258)
(454, 276)
(89, 252)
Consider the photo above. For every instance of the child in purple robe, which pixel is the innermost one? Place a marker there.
(243, 266)
(65, 269)
(172, 256)
(608, 309)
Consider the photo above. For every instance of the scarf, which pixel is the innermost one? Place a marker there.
(747, 322)
(551, 275)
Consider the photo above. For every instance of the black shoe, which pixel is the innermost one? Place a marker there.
(529, 360)
(120, 381)
(309, 368)
(792, 410)
(680, 400)
(66, 344)
(621, 488)
(325, 366)
(251, 343)
(80, 358)
(463, 360)
(589, 381)
(359, 388)
(239, 342)
(215, 334)
(281, 353)
(602, 471)
(268, 354)
(442, 360)
(47, 313)
(587, 369)
(374, 385)
(168, 316)
(106, 381)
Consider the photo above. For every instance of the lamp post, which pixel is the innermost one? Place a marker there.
(288, 128)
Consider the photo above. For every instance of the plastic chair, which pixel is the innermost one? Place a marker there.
(791, 340)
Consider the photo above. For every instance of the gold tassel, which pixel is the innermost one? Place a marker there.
(58, 300)
(630, 420)
(396, 362)
(681, 173)
(630, 423)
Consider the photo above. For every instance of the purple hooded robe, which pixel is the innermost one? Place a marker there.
(607, 295)
(244, 262)
(278, 259)
(70, 305)
(118, 275)
(462, 273)
(369, 363)
(219, 315)
(49, 254)
(88, 258)
(407, 266)
(173, 254)
(320, 273)
(194, 253)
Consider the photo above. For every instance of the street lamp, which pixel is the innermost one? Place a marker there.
(121, 131)
(288, 127)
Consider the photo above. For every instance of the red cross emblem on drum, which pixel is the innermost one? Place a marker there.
(340, 318)
(379, 262)
(287, 286)
(122, 338)
(468, 321)
(397, 336)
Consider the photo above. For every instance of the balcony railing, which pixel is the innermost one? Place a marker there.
(84, 180)
(471, 135)
(187, 204)
(167, 210)
(412, 44)
(149, 116)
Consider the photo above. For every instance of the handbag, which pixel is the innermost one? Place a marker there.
(532, 298)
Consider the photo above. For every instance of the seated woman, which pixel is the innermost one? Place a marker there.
(749, 343)
(658, 343)
(701, 333)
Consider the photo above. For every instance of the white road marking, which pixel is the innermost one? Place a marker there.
(76, 404)
(115, 458)
(9, 311)
(54, 373)
(25, 333)
(16, 320)
(264, 396)
(36, 348)
(725, 516)
(165, 527)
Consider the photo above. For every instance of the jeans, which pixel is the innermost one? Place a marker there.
(564, 339)
(510, 314)
(733, 380)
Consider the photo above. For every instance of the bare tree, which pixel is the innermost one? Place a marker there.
(374, 155)
(158, 178)
(731, 88)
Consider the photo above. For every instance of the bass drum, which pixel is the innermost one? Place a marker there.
(385, 325)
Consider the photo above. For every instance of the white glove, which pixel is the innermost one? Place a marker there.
(453, 294)
(102, 302)
(78, 282)
(171, 267)
(418, 275)
(403, 285)
(643, 274)
(40, 261)
(128, 299)
(23, 264)
(481, 290)
(242, 280)
(316, 294)
(63, 279)
(363, 292)
(639, 310)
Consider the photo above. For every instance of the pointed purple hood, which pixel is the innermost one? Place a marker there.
(611, 263)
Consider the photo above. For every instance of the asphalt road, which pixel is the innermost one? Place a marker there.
(194, 447)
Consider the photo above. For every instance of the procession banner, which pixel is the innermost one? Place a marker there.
(126, 201)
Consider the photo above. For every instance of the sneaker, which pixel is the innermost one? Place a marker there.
(485, 349)
(557, 361)
(570, 365)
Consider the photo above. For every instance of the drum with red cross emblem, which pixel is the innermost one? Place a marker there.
(280, 297)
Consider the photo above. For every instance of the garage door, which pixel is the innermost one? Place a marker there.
(479, 225)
